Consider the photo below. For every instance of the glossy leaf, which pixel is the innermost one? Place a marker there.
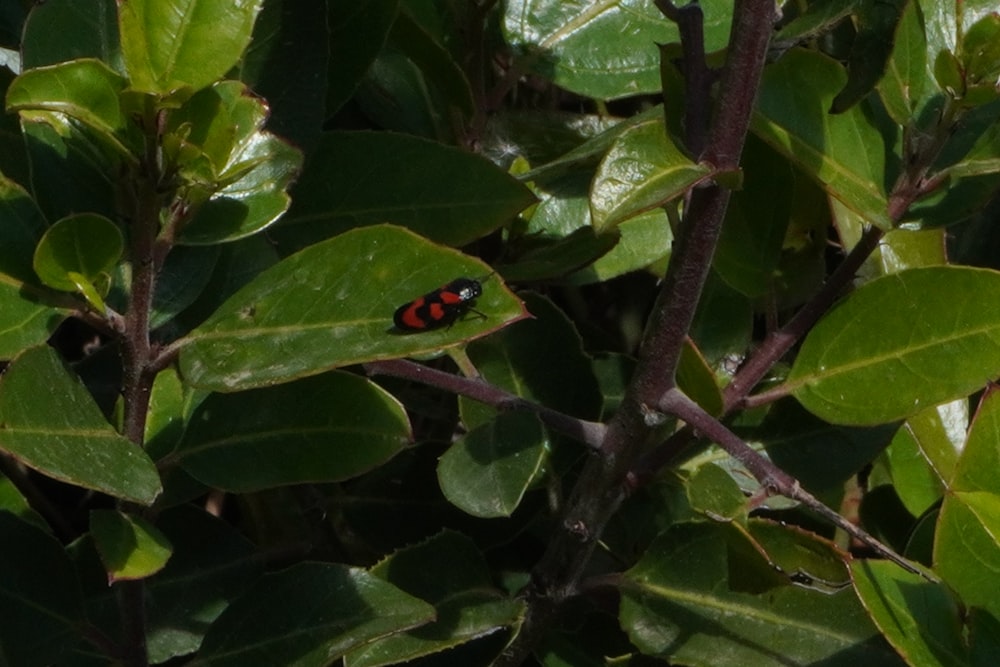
(920, 619)
(49, 422)
(23, 227)
(130, 546)
(315, 611)
(39, 594)
(441, 192)
(967, 541)
(331, 305)
(906, 79)
(25, 320)
(696, 379)
(93, 24)
(85, 90)
(599, 49)
(924, 452)
(644, 240)
(449, 572)
(488, 470)
(78, 254)
(844, 153)
(320, 429)
(713, 492)
(937, 329)
(678, 603)
(641, 171)
(172, 44)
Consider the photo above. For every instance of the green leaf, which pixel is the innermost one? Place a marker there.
(935, 342)
(967, 541)
(510, 360)
(39, 595)
(678, 603)
(488, 470)
(49, 422)
(446, 194)
(820, 455)
(295, 95)
(449, 572)
(601, 49)
(876, 25)
(25, 319)
(320, 429)
(172, 44)
(316, 612)
(85, 90)
(331, 305)
(92, 23)
(77, 253)
(696, 379)
(197, 583)
(22, 228)
(712, 491)
(923, 454)
(641, 171)
(357, 32)
(920, 619)
(906, 76)
(222, 151)
(130, 547)
(844, 153)
(644, 240)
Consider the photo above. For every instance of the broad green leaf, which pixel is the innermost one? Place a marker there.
(357, 32)
(816, 19)
(172, 44)
(601, 49)
(449, 572)
(553, 259)
(967, 541)
(641, 171)
(22, 228)
(331, 305)
(92, 23)
(25, 319)
(906, 74)
(49, 422)
(441, 192)
(820, 455)
(712, 492)
(181, 280)
(324, 428)
(876, 24)
(487, 472)
(197, 584)
(39, 595)
(696, 379)
(920, 619)
(316, 612)
(844, 153)
(723, 322)
(678, 603)
(757, 219)
(85, 90)
(75, 163)
(899, 344)
(924, 451)
(130, 546)
(510, 360)
(78, 254)
(644, 240)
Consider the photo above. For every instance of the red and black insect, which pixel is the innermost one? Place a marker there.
(441, 307)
